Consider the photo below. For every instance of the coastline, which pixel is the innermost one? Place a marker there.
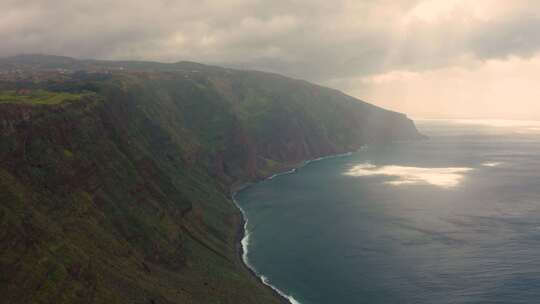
(242, 253)
(243, 234)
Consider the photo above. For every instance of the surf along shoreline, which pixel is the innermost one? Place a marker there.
(242, 235)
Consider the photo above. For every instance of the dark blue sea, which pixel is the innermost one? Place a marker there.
(452, 219)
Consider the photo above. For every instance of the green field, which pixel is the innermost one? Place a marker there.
(39, 97)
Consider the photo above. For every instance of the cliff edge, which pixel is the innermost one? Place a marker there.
(115, 176)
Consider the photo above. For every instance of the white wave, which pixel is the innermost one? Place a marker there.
(245, 247)
(245, 244)
(246, 239)
(310, 161)
(330, 156)
(282, 173)
(288, 297)
(442, 177)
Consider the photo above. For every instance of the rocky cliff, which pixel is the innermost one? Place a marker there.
(121, 196)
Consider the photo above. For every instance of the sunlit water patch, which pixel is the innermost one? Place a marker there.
(449, 220)
(492, 164)
(401, 175)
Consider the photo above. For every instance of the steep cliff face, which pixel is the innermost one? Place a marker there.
(98, 206)
(247, 125)
(122, 196)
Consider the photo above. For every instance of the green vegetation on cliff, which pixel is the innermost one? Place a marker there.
(38, 97)
(123, 196)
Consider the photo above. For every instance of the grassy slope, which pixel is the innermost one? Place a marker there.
(98, 207)
(122, 198)
(39, 97)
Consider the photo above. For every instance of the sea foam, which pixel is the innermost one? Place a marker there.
(245, 247)
(288, 297)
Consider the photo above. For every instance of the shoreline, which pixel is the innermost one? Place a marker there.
(241, 255)
(242, 235)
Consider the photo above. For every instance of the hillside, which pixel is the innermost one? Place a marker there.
(115, 176)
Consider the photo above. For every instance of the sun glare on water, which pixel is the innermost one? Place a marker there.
(440, 177)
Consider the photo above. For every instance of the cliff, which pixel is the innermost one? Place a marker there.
(121, 194)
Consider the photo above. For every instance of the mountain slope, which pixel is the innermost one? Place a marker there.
(122, 194)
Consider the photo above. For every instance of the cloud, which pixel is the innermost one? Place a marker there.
(494, 88)
(314, 38)
(329, 42)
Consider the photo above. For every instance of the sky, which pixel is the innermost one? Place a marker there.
(429, 59)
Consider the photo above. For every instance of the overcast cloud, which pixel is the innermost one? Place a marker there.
(393, 53)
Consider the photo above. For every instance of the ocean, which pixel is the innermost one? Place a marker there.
(451, 219)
